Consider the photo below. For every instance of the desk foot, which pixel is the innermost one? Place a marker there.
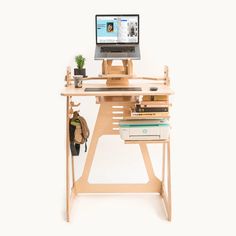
(167, 203)
(166, 173)
(70, 203)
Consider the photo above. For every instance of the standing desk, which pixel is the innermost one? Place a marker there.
(115, 105)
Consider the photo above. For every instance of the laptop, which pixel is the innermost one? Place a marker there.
(117, 37)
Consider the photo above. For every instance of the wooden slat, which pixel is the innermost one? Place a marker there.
(130, 77)
(153, 186)
(71, 91)
(145, 141)
(127, 117)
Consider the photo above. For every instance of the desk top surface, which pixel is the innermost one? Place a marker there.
(72, 91)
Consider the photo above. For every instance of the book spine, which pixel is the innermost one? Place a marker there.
(154, 104)
(151, 109)
(138, 114)
(155, 98)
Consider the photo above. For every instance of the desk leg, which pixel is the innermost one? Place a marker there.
(166, 164)
(99, 127)
(147, 161)
(169, 181)
(90, 156)
(67, 162)
(163, 162)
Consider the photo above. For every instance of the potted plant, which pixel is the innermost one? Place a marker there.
(80, 61)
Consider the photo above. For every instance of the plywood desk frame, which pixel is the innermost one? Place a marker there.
(115, 106)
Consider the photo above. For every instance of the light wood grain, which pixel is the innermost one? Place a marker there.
(146, 141)
(113, 107)
(71, 91)
(153, 186)
(67, 162)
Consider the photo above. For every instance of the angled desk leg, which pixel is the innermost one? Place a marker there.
(153, 180)
(166, 195)
(98, 130)
(91, 152)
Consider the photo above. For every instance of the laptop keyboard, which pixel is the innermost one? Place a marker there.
(117, 54)
(118, 49)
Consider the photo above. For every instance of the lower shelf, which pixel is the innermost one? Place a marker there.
(146, 141)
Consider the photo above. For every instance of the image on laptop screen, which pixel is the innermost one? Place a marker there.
(117, 29)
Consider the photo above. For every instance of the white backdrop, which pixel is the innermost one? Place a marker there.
(196, 39)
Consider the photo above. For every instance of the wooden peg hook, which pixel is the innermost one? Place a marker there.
(72, 104)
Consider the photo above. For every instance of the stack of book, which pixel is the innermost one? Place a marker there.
(159, 99)
(151, 106)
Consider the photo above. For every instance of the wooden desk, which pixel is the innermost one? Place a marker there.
(106, 124)
(162, 90)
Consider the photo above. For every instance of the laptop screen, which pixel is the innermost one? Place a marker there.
(113, 29)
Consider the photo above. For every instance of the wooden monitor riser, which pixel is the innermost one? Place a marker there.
(125, 69)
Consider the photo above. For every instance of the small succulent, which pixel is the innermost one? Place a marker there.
(80, 61)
